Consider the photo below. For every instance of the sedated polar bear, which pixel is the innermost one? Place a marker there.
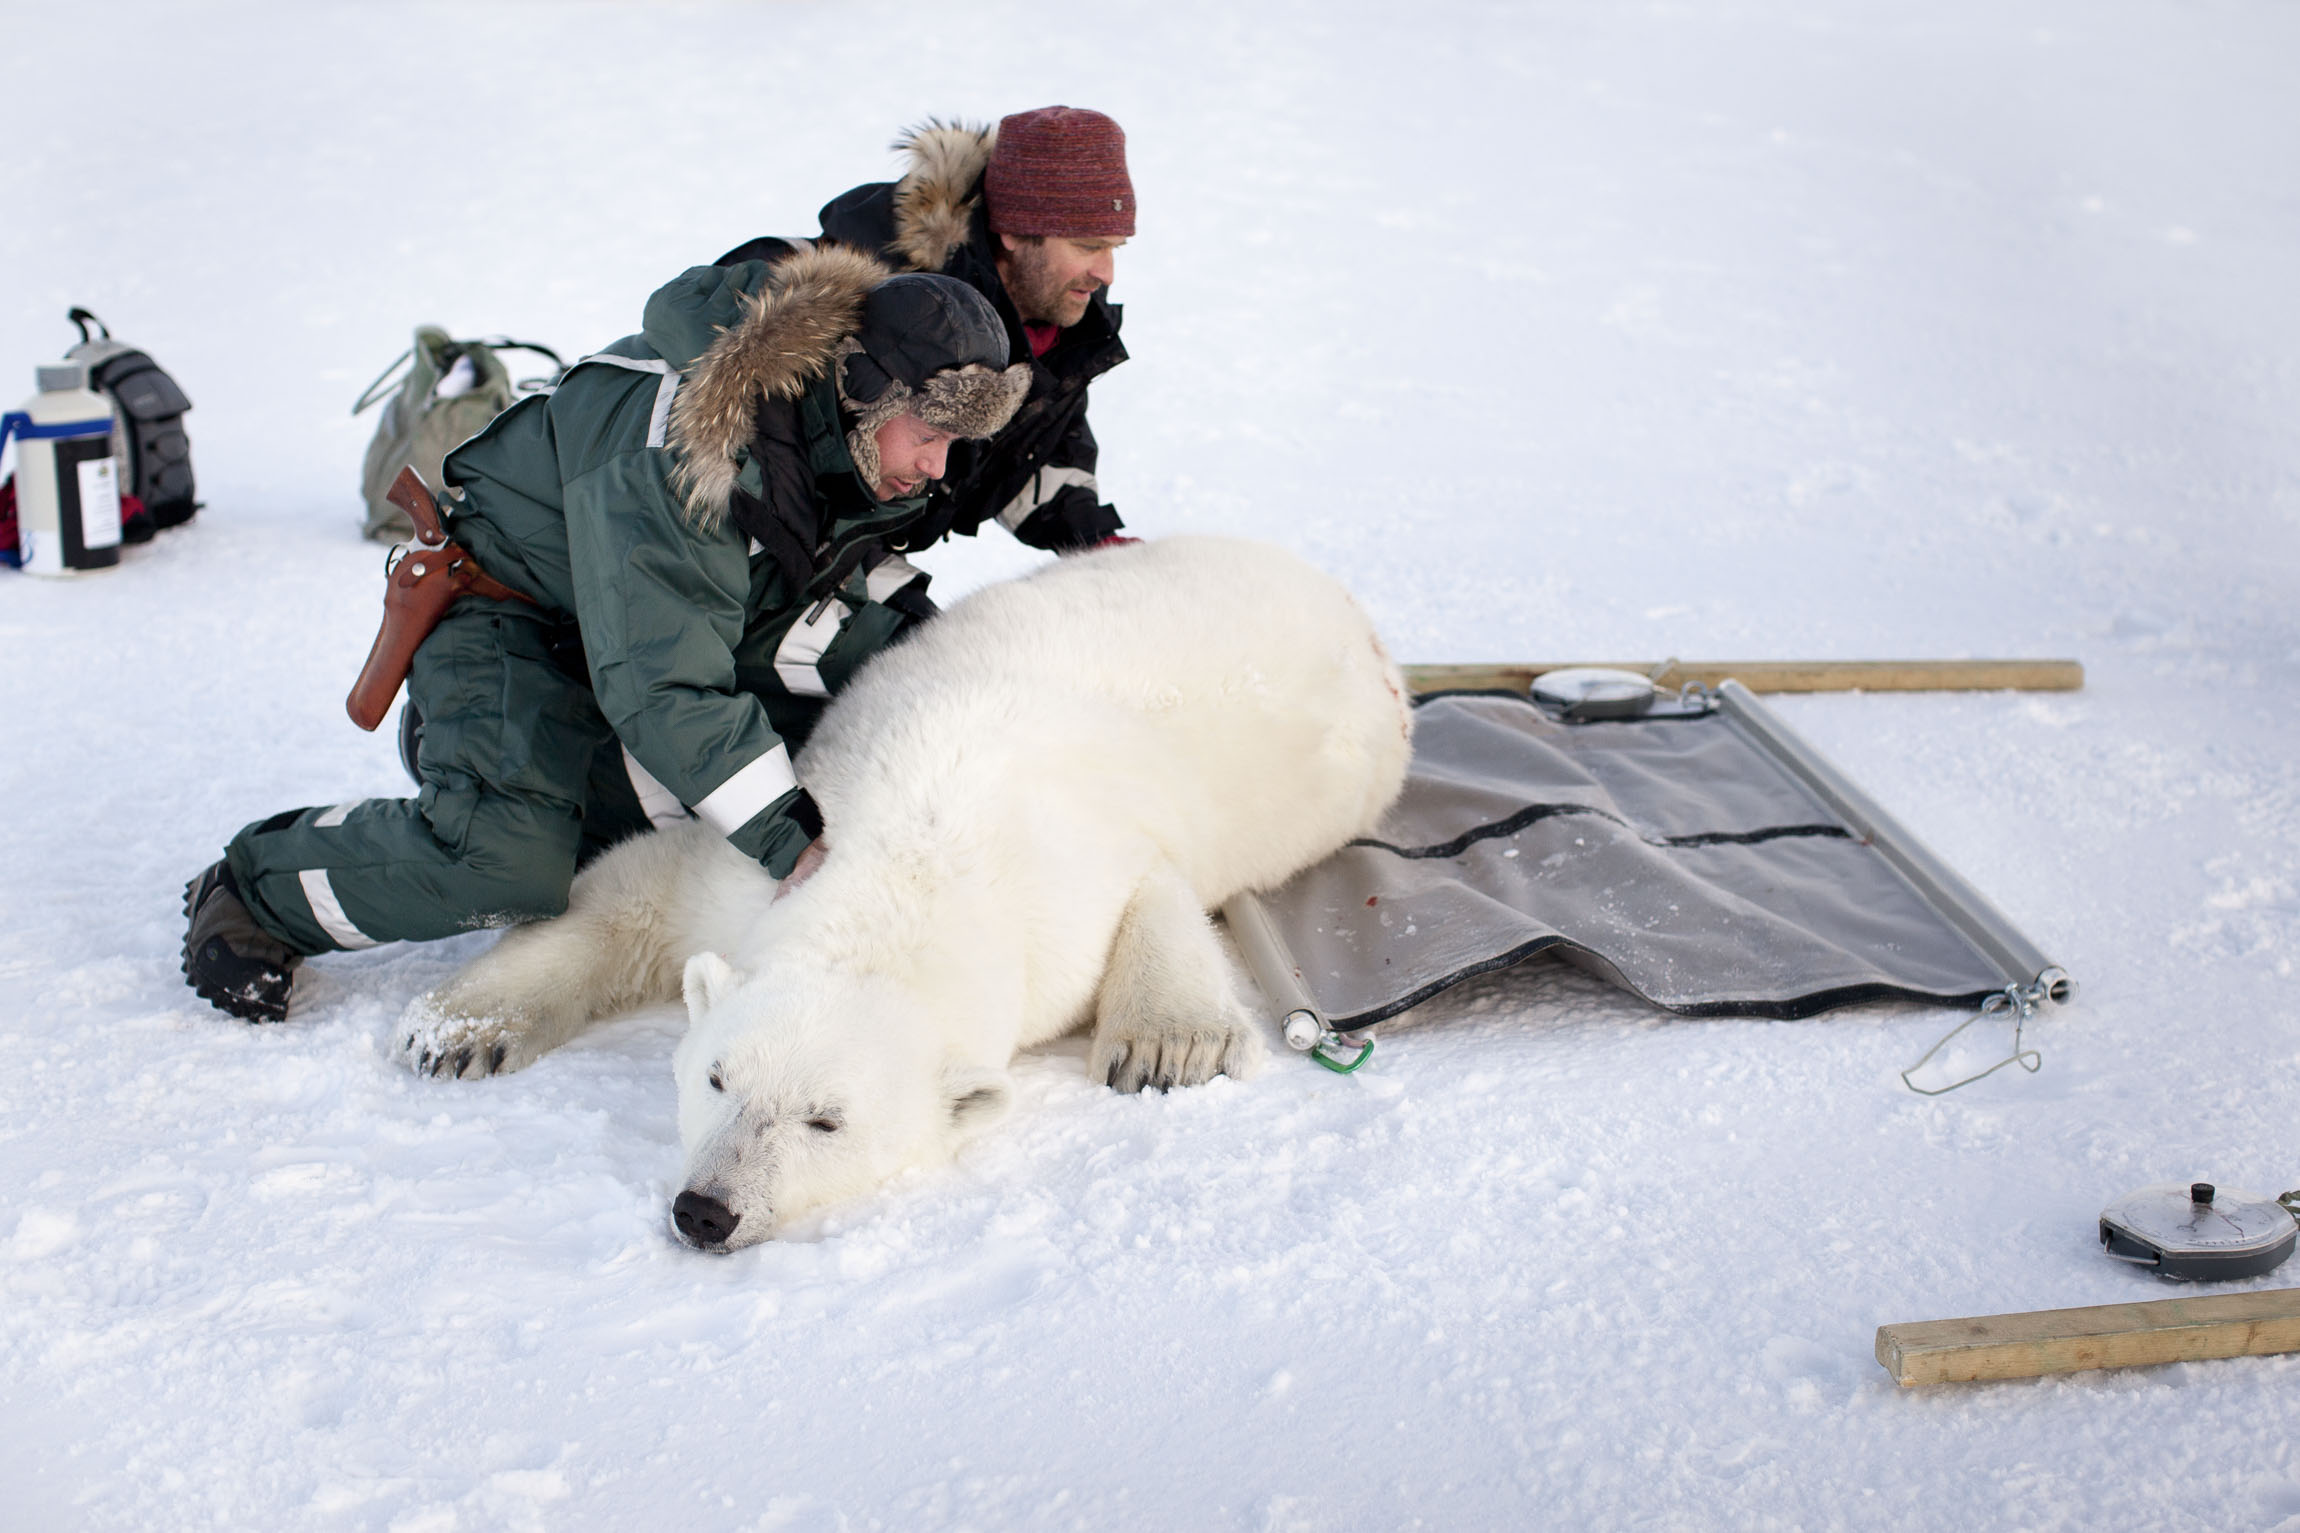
(1029, 805)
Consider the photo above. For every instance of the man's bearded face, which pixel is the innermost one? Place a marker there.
(1051, 280)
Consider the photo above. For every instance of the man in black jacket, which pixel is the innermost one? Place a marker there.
(1029, 214)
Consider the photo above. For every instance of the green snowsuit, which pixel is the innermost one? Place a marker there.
(706, 567)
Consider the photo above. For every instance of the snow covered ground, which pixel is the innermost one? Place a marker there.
(1763, 328)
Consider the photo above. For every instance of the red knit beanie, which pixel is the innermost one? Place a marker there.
(1060, 170)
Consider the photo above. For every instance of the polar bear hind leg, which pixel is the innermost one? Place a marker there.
(1167, 1013)
(630, 927)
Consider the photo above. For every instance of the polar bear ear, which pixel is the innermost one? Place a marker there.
(708, 980)
(977, 1097)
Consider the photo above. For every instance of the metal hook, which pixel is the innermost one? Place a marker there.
(1330, 1048)
(2023, 1000)
(1307, 1032)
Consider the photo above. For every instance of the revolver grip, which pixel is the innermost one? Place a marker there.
(410, 494)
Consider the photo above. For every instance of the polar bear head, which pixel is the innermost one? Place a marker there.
(798, 1088)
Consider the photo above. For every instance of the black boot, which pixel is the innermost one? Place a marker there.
(232, 963)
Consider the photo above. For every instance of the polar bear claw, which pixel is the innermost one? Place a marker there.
(1180, 1055)
(438, 1044)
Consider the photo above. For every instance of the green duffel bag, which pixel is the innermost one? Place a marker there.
(450, 389)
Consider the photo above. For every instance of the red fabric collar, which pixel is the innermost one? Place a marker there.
(1041, 337)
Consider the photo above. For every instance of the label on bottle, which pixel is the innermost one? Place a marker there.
(99, 502)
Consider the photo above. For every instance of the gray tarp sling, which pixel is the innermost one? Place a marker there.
(1702, 857)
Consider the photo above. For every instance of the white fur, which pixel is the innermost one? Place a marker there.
(1030, 805)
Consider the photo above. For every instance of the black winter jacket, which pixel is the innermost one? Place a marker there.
(1036, 477)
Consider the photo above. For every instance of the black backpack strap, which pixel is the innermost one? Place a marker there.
(84, 319)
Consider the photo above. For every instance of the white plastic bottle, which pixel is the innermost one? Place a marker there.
(67, 481)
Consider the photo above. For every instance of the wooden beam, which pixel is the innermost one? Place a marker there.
(2254, 1324)
(1780, 675)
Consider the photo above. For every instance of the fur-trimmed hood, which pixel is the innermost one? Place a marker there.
(936, 199)
(932, 347)
(769, 344)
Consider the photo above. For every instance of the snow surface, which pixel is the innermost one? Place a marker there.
(1768, 328)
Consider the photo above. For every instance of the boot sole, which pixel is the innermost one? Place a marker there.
(248, 1009)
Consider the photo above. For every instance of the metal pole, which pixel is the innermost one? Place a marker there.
(1274, 970)
(1965, 907)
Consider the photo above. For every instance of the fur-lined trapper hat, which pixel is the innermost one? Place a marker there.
(932, 347)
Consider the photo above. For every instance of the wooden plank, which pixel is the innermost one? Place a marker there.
(1781, 675)
(2024, 1346)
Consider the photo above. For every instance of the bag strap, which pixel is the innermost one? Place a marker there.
(83, 319)
(389, 378)
(505, 343)
(527, 385)
(384, 382)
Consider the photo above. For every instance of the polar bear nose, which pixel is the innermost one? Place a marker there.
(704, 1220)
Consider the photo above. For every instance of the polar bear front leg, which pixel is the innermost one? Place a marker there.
(621, 944)
(1166, 1013)
(511, 1005)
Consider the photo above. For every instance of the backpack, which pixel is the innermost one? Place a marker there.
(448, 394)
(148, 434)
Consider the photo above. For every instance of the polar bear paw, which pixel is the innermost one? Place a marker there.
(1133, 1059)
(432, 1040)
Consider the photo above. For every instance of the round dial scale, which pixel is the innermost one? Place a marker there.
(1594, 692)
(2193, 1230)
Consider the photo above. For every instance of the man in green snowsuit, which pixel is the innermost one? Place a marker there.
(706, 521)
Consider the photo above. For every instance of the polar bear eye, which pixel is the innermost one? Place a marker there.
(823, 1125)
(716, 1083)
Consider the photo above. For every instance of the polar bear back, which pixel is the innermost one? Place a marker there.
(1215, 699)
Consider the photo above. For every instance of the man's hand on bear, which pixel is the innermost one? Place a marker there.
(804, 868)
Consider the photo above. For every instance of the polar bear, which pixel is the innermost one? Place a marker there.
(1029, 806)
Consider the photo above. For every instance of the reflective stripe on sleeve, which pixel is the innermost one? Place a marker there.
(796, 658)
(737, 801)
(337, 815)
(660, 803)
(1042, 487)
(659, 419)
(888, 576)
(658, 423)
(328, 910)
